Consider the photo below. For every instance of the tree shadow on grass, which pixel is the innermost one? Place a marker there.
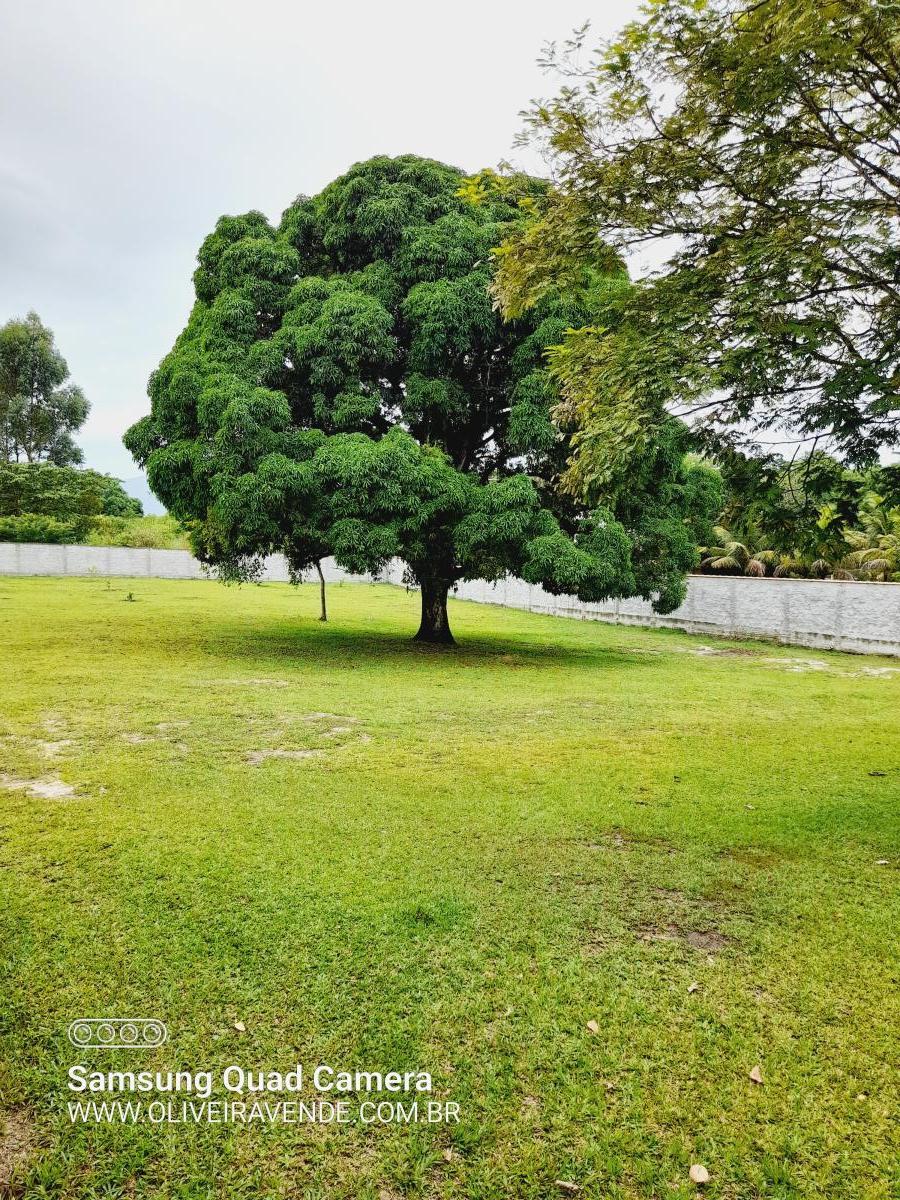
(349, 646)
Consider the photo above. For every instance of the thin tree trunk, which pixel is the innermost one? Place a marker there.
(324, 613)
(435, 627)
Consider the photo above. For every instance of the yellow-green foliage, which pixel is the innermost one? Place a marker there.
(742, 156)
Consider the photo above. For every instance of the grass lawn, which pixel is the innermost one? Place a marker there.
(382, 856)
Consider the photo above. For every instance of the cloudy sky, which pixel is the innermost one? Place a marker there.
(129, 126)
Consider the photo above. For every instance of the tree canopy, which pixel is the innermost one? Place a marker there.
(809, 512)
(345, 386)
(752, 149)
(62, 492)
(40, 502)
(39, 410)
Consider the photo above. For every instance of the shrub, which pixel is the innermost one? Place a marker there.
(151, 533)
(38, 527)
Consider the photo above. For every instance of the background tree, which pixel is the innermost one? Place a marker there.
(753, 149)
(40, 502)
(62, 492)
(345, 386)
(800, 504)
(808, 517)
(39, 411)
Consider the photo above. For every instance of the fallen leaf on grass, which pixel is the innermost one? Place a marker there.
(698, 1173)
(240, 1026)
(693, 987)
(566, 1186)
(756, 1075)
(593, 1027)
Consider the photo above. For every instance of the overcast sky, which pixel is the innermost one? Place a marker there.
(130, 126)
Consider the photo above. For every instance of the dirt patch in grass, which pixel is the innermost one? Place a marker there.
(711, 941)
(659, 933)
(799, 666)
(164, 735)
(594, 946)
(337, 732)
(794, 664)
(255, 757)
(622, 839)
(344, 725)
(803, 666)
(671, 895)
(49, 743)
(16, 1145)
(684, 918)
(42, 789)
(51, 749)
(727, 652)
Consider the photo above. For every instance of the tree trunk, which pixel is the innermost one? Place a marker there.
(435, 627)
(324, 612)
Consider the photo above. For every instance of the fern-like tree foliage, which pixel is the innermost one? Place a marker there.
(751, 149)
(345, 386)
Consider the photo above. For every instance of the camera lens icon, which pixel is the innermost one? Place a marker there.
(117, 1033)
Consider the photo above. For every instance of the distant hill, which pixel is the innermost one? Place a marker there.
(139, 488)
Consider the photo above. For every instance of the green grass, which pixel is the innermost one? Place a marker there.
(556, 823)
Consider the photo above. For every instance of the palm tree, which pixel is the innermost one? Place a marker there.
(733, 557)
(870, 558)
(876, 547)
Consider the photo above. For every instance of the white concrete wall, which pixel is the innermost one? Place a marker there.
(862, 617)
(33, 559)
